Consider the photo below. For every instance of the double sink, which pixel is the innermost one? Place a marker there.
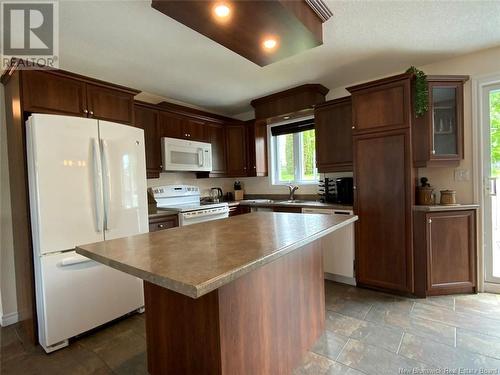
(271, 201)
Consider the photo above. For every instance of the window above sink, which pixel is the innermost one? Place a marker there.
(293, 152)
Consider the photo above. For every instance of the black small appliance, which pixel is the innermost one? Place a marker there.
(339, 190)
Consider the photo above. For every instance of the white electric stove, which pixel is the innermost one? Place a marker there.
(185, 199)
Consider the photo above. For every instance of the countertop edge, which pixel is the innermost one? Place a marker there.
(435, 208)
(221, 280)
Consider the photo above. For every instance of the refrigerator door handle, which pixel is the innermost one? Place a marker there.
(106, 183)
(97, 184)
(70, 261)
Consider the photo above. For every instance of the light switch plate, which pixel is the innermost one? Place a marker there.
(462, 174)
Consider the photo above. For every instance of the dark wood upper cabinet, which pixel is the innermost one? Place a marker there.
(171, 126)
(438, 136)
(64, 93)
(382, 105)
(236, 148)
(445, 248)
(177, 126)
(195, 130)
(111, 105)
(257, 148)
(146, 118)
(216, 136)
(45, 92)
(333, 127)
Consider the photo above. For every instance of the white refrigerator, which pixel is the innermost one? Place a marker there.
(87, 183)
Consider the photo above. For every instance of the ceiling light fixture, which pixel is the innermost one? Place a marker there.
(270, 44)
(221, 10)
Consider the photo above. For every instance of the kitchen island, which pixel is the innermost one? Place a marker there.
(243, 295)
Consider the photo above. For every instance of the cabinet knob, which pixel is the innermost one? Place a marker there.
(161, 225)
(353, 127)
(85, 111)
(354, 187)
(254, 167)
(433, 152)
(429, 221)
(189, 135)
(91, 113)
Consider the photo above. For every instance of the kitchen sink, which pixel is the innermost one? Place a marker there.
(257, 201)
(295, 201)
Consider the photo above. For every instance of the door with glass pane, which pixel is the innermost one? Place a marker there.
(491, 172)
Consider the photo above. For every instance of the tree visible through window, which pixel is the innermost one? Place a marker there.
(495, 133)
(295, 157)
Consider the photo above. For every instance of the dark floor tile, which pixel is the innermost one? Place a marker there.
(421, 327)
(329, 345)
(374, 360)
(478, 343)
(314, 364)
(471, 322)
(385, 337)
(444, 356)
(123, 351)
(348, 306)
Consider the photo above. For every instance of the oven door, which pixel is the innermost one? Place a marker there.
(200, 216)
(182, 155)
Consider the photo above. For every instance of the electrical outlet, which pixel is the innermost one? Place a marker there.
(462, 174)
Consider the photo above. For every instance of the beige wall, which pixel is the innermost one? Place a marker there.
(477, 64)
(7, 275)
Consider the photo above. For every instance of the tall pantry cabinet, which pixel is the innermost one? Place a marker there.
(384, 183)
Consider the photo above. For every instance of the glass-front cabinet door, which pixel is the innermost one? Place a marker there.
(446, 115)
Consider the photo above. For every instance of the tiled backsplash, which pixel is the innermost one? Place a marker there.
(251, 185)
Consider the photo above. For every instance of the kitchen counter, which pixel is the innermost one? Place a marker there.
(439, 207)
(300, 204)
(222, 291)
(197, 259)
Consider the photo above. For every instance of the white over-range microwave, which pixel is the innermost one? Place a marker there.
(183, 155)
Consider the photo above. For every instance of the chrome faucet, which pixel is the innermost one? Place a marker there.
(292, 189)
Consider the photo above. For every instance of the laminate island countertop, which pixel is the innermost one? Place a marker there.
(197, 259)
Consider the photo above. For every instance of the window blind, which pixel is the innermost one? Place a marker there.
(294, 127)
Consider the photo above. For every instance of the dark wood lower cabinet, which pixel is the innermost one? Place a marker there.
(261, 323)
(239, 210)
(445, 252)
(383, 201)
(163, 222)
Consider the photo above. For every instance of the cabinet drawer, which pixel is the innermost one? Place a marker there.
(163, 223)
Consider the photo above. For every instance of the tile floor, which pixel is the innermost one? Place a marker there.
(366, 333)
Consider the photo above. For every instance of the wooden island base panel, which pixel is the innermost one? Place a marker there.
(262, 323)
(237, 296)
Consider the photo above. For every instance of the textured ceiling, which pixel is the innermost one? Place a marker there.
(129, 43)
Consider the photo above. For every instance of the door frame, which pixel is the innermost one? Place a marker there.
(478, 85)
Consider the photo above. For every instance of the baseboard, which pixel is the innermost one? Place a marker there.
(491, 288)
(340, 279)
(8, 319)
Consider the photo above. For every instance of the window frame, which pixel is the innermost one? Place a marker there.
(298, 159)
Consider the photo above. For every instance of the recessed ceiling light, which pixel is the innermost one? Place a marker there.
(270, 43)
(221, 10)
